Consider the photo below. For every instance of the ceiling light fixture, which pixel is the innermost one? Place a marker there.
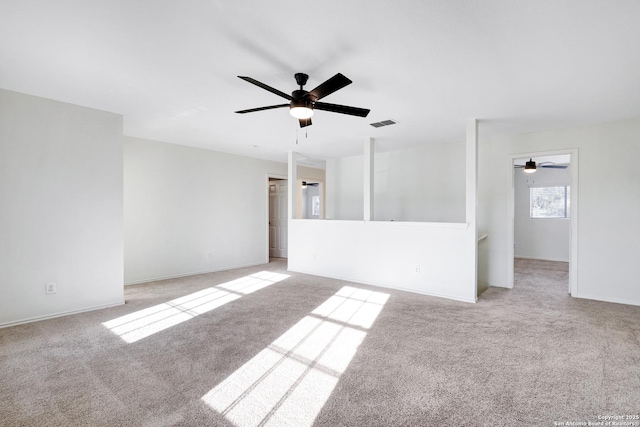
(530, 166)
(301, 109)
(301, 112)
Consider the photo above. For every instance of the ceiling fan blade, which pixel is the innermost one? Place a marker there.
(555, 166)
(305, 122)
(270, 107)
(342, 109)
(328, 87)
(518, 166)
(265, 87)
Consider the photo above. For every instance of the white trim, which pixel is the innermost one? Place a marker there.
(471, 190)
(195, 273)
(292, 176)
(611, 300)
(368, 179)
(378, 285)
(573, 218)
(471, 168)
(61, 314)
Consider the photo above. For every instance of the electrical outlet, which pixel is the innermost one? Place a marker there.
(417, 269)
(50, 288)
(210, 256)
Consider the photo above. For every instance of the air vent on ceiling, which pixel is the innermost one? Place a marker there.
(383, 123)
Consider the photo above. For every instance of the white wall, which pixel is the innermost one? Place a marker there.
(539, 238)
(424, 184)
(182, 203)
(345, 181)
(306, 173)
(609, 202)
(61, 215)
(387, 254)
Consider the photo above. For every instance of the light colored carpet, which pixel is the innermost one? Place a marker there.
(528, 356)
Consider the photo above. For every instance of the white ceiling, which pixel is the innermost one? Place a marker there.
(170, 67)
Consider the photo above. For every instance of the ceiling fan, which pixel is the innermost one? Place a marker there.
(303, 103)
(530, 166)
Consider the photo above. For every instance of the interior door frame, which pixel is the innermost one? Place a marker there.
(573, 217)
(266, 224)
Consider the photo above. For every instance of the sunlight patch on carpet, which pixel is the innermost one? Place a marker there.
(288, 383)
(141, 324)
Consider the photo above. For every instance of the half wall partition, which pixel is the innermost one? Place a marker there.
(411, 226)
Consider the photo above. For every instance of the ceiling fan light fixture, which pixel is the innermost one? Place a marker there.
(530, 166)
(301, 112)
(300, 108)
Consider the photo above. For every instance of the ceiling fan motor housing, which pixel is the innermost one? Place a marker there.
(301, 106)
(300, 96)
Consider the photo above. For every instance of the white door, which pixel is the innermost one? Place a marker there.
(278, 218)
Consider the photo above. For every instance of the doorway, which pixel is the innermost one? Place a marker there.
(312, 200)
(277, 217)
(543, 210)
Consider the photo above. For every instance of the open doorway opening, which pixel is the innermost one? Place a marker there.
(310, 187)
(277, 222)
(544, 210)
(312, 200)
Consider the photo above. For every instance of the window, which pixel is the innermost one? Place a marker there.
(550, 202)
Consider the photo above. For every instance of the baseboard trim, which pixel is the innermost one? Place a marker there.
(60, 314)
(177, 276)
(397, 288)
(540, 258)
(607, 299)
